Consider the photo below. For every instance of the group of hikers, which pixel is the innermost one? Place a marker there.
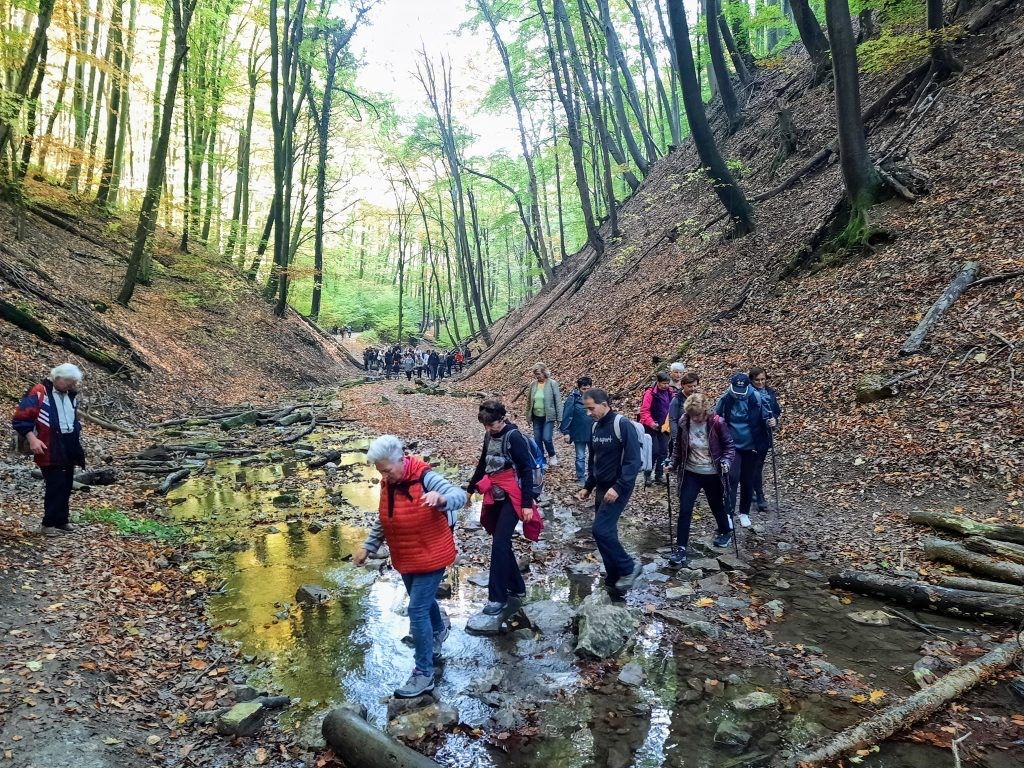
(715, 446)
(345, 331)
(395, 361)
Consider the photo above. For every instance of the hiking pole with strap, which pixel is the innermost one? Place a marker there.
(668, 491)
(727, 497)
(775, 471)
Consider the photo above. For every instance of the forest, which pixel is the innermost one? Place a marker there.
(241, 127)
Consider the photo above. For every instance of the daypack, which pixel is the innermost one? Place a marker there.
(539, 463)
(646, 443)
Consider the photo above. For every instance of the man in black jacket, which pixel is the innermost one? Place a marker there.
(613, 466)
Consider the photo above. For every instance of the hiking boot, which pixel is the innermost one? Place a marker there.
(67, 528)
(440, 637)
(722, 540)
(552, 461)
(512, 607)
(745, 521)
(615, 595)
(678, 558)
(762, 506)
(625, 583)
(417, 684)
(647, 480)
(493, 608)
(49, 530)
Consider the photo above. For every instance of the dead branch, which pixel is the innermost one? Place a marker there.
(938, 309)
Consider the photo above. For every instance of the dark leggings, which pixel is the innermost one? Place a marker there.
(505, 578)
(690, 485)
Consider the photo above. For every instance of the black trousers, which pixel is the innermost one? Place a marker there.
(58, 481)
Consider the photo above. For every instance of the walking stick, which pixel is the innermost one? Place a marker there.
(668, 488)
(775, 472)
(727, 495)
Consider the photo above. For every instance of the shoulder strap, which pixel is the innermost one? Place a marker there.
(616, 428)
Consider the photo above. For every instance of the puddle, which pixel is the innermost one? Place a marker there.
(352, 649)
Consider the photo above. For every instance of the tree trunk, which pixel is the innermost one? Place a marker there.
(58, 106)
(964, 278)
(1012, 552)
(967, 527)
(725, 89)
(944, 63)
(916, 707)
(734, 52)
(114, 110)
(79, 114)
(861, 178)
(28, 67)
(812, 36)
(30, 123)
(243, 163)
(652, 59)
(957, 554)
(979, 585)
(125, 108)
(727, 189)
(182, 15)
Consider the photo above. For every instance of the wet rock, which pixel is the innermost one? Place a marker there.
(243, 719)
(315, 527)
(484, 625)
(689, 620)
(445, 589)
(632, 674)
(524, 563)
(716, 584)
(870, 618)
(507, 718)
(826, 668)
(397, 707)
(286, 500)
(480, 579)
(674, 593)
(777, 608)
(584, 569)
(101, 476)
(732, 563)
(245, 693)
(417, 725)
(755, 702)
(815, 650)
(604, 627)
(732, 603)
(709, 564)
(732, 734)
(689, 696)
(382, 553)
(657, 577)
(549, 616)
(489, 681)
(311, 594)
(241, 420)
(803, 731)
(687, 575)
(781, 584)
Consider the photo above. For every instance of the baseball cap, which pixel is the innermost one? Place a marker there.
(739, 384)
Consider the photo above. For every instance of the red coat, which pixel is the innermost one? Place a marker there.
(36, 412)
(418, 536)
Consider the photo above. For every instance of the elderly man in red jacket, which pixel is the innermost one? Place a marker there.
(47, 420)
(416, 515)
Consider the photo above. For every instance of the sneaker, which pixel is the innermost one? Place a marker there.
(417, 684)
(440, 637)
(49, 530)
(552, 461)
(625, 583)
(647, 480)
(512, 606)
(745, 521)
(67, 528)
(678, 558)
(762, 507)
(494, 608)
(722, 540)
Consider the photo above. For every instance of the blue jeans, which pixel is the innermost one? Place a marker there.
(544, 434)
(617, 562)
(424, 615)
(690, 486)
(581, 462)
(505, 577)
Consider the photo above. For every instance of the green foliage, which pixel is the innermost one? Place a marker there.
(890, 51)
(131, 526)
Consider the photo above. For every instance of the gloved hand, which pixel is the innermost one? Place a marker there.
(724, 466)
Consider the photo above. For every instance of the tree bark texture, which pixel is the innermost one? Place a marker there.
(967, 527)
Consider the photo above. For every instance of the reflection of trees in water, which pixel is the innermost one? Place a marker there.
(259, 549)
(298, 541)
(334, 542)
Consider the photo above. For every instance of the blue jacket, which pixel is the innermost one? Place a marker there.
(576, 422)
(746, 417)
(771, 401)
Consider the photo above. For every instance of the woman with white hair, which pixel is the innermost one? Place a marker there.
(47, 420)
(416, 515)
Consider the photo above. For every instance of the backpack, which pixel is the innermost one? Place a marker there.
(646, 443)
(539, 463)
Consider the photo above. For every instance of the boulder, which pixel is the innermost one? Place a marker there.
(674, 593)
(311, 594)
(480, 579)
(732, 734)
(870, 618)
(489, 681)
(803, 731)
(398, 707)
(241, 420)
(421, 723)
(482, 624)
(549, 616)
(732, 563)
(755, 702)
(101, 476)
(243, 719)
(716, 584)
(315, 526)
(709, 564)
(604, 627)
(689, 620)
(873, 387)
(632, 674)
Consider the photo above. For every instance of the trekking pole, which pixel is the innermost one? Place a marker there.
(668, 488)
(775, 472)
(727, 495)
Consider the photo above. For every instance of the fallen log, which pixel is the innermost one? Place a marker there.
(324, 458)
(1011, 552)
(173, 479)
(301, 434)
(99, 476)
(957, 554)
(92, 419)
(915, 708)
(928, 597)
(938, 309)
(967, 527)
(152, 470)
(363, 745)
(979, 585)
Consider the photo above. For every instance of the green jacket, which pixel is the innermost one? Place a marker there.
(552, 400)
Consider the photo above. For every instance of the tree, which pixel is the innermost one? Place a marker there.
(28, 67)
(725, 89)
(114, 111)
(181, 12)
(811, 35)
(728, 190)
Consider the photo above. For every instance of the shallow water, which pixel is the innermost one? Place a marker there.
(351, 648)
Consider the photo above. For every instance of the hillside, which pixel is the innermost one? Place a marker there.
(954, 433)
(199, 334)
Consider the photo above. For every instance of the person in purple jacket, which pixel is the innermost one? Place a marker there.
(704, 451)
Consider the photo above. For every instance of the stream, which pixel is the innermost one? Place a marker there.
(351, 649)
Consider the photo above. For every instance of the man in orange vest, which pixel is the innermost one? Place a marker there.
(416, 515)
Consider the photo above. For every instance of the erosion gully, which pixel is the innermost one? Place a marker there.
(261, 548)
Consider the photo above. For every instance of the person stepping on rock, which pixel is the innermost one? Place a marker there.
(612, 469)
(416, 516)
(703, 453)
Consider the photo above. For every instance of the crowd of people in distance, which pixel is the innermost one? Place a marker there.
(394, 361)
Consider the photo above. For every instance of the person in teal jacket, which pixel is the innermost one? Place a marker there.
(577, 426)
